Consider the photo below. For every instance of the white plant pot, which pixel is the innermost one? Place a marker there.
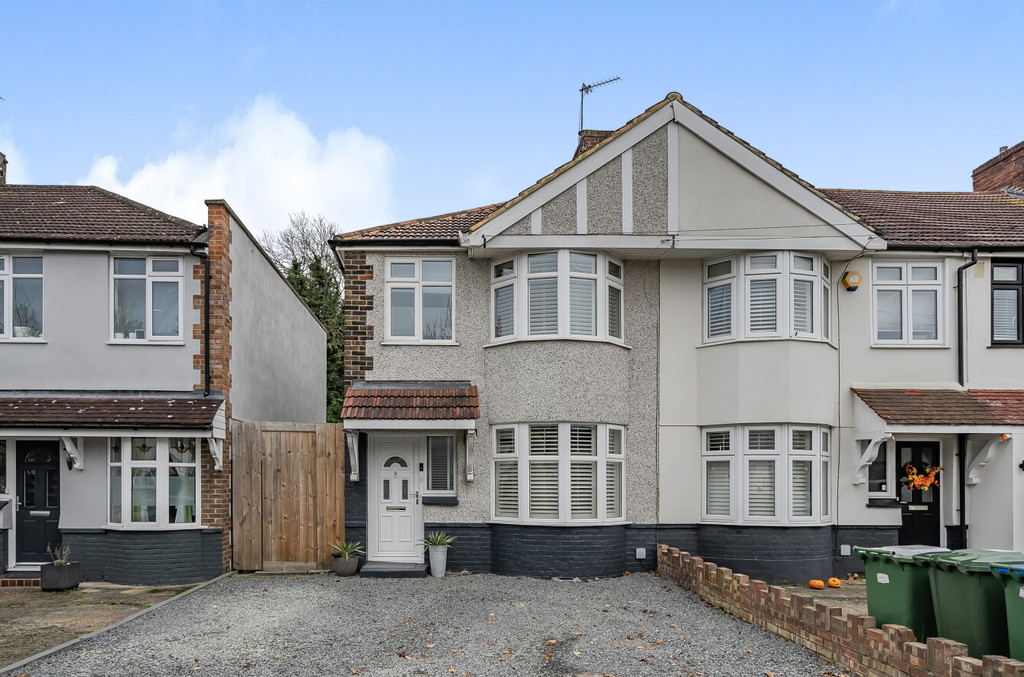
(21, 332)
(118, 335)
(438, 560)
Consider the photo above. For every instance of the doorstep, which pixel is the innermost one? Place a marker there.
(393, 570)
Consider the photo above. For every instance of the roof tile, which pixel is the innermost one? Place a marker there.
(946, 407)
(444, 227)
(94, 412)
(425, 401)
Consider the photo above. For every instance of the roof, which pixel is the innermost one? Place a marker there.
(443, 228)
(986, 219)
(946, 407)
(86, 214)
(108, 412)
(419, 400)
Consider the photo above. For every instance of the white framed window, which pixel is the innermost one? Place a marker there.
(908, 303)
(558, 473)
(1007, 302)
(767, 295)
(758, 474)
(420, 300)
(145, 299)
(881, 473)
(153, 482)
(440, 466)
(21, 297)
(557, 294)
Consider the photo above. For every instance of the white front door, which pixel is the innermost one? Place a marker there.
(395, 512)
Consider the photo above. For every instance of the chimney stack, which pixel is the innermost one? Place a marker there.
(1004, 170)
(3, 169)
(588, 139)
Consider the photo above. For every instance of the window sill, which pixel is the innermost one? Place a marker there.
(152, 526)
(766, 339)
(144, 342)
(1000, 346)
(560, 524)
(23, 340)
(752, 523)
(906, 346)
(581, 339)
(440, 500)
(882, 503)
(393, 342)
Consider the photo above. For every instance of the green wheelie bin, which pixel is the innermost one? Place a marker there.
(968, 599)
(1011, 574)
(899, 591)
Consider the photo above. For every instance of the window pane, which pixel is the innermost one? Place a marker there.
(115, 450)
(582, 440)
(182, 449)
(824, 442)
(544, 440)
(440, 470)
(3, 310)
(889, 314)
(52, 488)
(437, 271)
(1005, 320)
(878, 472)
(181, 492)
(803, 440)
(115, 494)
(803, 310)
(437, 313)
(28, 265)
(826, 312)
(582, 306)
(143, 448)
(614, 312)
(719, 484)
(762, 305)
(143, 494)
(506, 441)
(506, 489)
(165, 265)
(719, 310)
(926, 319)
(761, 488)
(614, 270)
(824, 489)
(803, 263)
(719, 269)
(763, 262)
(404, 271)
(543, 306)
(544, 489)
(615, 442)
(761, 440)
(28, 486)
(27, 315)
(129, 266)
(403, 312)
(924, 273)
(3, 466)
(583, 490)
(1004, 273)
(582, 263)
(165, 309)
(801, 489)
(504, 311)
(504, 269)
(613, 490)
(718, 440)
(888, 274)
(129, 307)
(543, 263)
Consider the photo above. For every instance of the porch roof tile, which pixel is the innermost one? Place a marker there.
(408, 400)
(945, 407)
(108, 412)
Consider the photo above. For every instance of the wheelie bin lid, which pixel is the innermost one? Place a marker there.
(970, 560)
(898, 552)
(1014, 570)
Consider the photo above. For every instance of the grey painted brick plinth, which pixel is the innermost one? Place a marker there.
(864, 536)
(773, 554)
(146, 557)
(563, 552)
(3, 549)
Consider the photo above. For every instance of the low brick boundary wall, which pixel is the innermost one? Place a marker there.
(851, 642)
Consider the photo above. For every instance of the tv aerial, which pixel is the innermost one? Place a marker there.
(587, 89)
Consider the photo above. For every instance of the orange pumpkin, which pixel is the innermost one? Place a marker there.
(835, 583)
(817, 584)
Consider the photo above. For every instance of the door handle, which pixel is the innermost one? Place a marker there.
(417, 498)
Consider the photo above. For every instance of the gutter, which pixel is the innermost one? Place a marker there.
(205, 258)
(960, 366)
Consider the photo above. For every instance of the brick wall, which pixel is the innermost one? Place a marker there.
(562, 552)
(851, 641)
(357, 304)
(216, 484)
(1005, 169)
(146, 557)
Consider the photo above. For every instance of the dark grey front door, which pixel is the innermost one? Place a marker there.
(920, 507)
(38, 506)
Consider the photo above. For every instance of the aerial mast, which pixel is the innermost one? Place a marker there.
(586, 89)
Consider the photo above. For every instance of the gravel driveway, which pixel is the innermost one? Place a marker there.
(463, 625)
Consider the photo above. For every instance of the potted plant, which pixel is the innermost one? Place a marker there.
(63, 574)
(437, 543)
(346, 558)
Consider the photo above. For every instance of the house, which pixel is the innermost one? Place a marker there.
(129, 341)
(674, 339)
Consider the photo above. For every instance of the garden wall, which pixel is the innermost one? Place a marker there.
(851, 641)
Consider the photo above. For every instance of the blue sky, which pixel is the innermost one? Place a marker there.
(375, 112)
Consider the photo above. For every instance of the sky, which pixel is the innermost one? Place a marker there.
(370, 113)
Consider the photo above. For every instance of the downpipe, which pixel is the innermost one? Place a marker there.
(960, 353)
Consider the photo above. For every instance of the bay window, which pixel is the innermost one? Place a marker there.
(420, 300)
(146, 299)
(907, 303)
(558, 472)
(21, 297)
(153, 481)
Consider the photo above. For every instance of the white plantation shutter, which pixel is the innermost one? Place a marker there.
(583, 440)
(801, 489)
(761, 440)
(719, 488)
(761, 488)
(583, 489)
(613, 489)
(506, 489)
(544, 440)
(543, 306)
(614, 312)
(582, 263)
(718, 440)
(803, 440)
(826, 313)
(803, 312)
(762, 306)
(615, 442)
(506, 441)
(824, 488)
(582, 306)
(1005, 323)
(719, 310)
(544, 489)
(440, 470)
(543, 263)
(504, 311)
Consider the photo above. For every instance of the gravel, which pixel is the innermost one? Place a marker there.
(469, 624)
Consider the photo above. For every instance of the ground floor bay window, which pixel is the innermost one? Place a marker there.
(153, 481)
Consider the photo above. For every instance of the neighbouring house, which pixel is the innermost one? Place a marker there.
(129, 341)
(674, 339)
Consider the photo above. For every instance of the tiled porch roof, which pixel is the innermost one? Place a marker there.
(946, 407)
(179, 411)
(443, 228)
(411, 400)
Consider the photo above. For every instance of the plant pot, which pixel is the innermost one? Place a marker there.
(54, 577)
(438, 560)
(344, 567)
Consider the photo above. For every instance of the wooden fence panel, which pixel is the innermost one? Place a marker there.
(330, 491)
(247, 497)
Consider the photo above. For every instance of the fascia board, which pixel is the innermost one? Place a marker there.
(679, 241)
(743, 156)
(408, 424)
(108, 432)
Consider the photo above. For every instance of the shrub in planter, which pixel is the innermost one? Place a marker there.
(346, 558)
(62, 574)
(437, 543)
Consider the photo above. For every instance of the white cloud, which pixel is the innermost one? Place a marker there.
(267, 164)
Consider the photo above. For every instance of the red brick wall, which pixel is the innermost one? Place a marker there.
(216, 484)
(357, 304)
(1005, 169)
(852, 641)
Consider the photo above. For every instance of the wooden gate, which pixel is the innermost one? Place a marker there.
(288, 492)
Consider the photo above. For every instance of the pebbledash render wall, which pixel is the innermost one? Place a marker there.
(851, 641)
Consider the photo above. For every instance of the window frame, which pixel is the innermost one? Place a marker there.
(9, 279)
(1017, 286)
(162, 463)
(906, 285)
(150, 279)
(417, 284)
(451, 470)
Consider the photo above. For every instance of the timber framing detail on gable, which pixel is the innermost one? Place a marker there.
(672, 175)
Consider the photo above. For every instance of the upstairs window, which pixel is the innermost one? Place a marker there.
(21, 297)
(1007, 300)
(420, 300)
(146, 299)
(907, 303)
